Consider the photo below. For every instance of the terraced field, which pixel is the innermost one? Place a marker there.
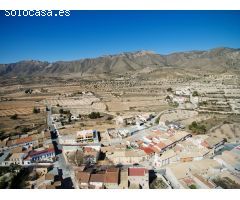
(8, 108)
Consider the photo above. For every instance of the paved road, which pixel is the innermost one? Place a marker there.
(140, 133)
(4, 156)
(61, 164)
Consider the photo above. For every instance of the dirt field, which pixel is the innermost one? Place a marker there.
(9, 108)
(31, 122)
(110, 95)
(229, 131)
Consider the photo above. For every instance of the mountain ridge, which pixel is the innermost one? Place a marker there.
(124, 62)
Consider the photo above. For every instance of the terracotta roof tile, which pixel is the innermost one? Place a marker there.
(136, 171)
(49, 176)
(34, 153)
(83, 177)
(147, 150)
(97, 178)
(19, 141)
(161, 145)
(112, 176)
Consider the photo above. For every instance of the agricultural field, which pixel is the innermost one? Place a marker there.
(22, 124)
(9, 108)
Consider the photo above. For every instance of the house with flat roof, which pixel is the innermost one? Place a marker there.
(230, 159)
(126, 156)
(15, 158)
(214, 142)
(166, 158)
(189, 151)
(123, 179)
(182, 175)
(87, 136)
(125, 120)
(3, 144)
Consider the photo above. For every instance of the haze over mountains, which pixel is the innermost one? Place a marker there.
(215, 59)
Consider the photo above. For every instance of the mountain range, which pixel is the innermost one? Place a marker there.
(130, 62)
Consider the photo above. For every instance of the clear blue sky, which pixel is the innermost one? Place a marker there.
(94, 33)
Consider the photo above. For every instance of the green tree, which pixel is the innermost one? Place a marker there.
(158, 184)
(197, 128)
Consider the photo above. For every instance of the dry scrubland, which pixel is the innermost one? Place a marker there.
(129, 94)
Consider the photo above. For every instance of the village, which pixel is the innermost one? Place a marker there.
(88, 142)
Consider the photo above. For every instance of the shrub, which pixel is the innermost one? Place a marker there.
(157, 120)
(226, 183)
(61, 111)
(192, 186)
(15, 116)
(25, 129)
(195, 94)
(158, 184)
(28, 91)
(168, 98)
(197, 128)
(36, 110)
(204, 103)
(109, 118)
(169, 89)
(94, 115)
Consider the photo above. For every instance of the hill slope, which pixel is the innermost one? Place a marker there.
(214, 59)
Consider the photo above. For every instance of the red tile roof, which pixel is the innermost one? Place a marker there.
(147, 150)
(97, 178)
(188, 181)
(155, 149)
(112, 169)
(157, 131)
(24, 140)
(83, 177)
(34, 153)
(136, 171)
(20, 141)
(205, 144)
(88, 149)
(161, 145)
(112, 176)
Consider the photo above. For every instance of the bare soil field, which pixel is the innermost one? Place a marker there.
(177, 115)
(229, 131)
(10, 126)
(100, 124)
(130, 94)
(9, 108)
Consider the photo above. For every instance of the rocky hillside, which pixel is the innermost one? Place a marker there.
(127, 62)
